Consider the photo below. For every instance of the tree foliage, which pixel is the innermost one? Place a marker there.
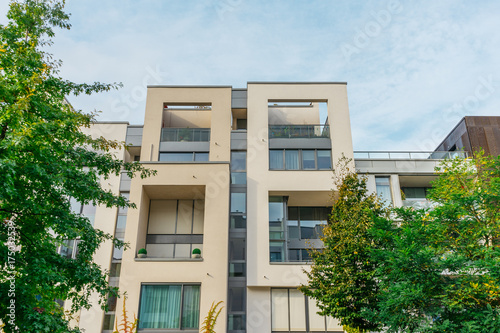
(440, 267)
(45, 160)
(342, 276)
(427, 270)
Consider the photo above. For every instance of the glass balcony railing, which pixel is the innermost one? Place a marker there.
(299, 131)
(185, 134)
(418, 203)
(411, 155)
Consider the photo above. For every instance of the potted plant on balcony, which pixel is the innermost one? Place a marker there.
(142, 253)
(196, 253)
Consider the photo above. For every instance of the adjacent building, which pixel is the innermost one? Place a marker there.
(245, 177)
(473, 133)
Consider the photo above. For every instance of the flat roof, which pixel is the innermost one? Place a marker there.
(292, 82)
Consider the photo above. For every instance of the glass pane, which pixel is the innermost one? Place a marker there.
(415, 192)
(117, 253)
(191, 307)
(176, 157)
(308, 161)
(384, 189)
(236, 299)
(293, 255)
(109, 322)
(276, 160)
(76, 207)
(279, 310)
(89, 212)
(198, 216)
(125, 209)
(316, 321)
(238, 202)
(291, 159)
(160, 250)
(276, 208)
(238, 178)
(201, 157)
(293, 229)
(162, 216)
(238, 222)
(297, 311)
(160, 306)
(115, 270)
(236, 322)
(184, 217)
(324, 159)
(276, 251)
(67, 248)
(306, 255)
(238, 160)
(182, 250)
(121, 222)
(237, 249)
(237, 269)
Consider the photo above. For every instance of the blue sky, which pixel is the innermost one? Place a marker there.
(413, 69)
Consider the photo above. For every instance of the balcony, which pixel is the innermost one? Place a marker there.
(299, 131)
(185, 135)
(418, 203)
(409, 155)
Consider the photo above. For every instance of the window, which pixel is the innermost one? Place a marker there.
(300, 159)
(175, 228)
(169, 306)
(291, 311)
(294, 230)
(415, 192)
(238, 167)
(384, 189)
(87, 210)
(184, 157)
(69, 249)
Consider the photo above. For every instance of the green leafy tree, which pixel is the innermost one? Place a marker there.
(43, 154)
(439, 269)
(341, 278)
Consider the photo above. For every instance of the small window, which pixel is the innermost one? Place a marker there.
(384, 189)
(276, 159)
(238, 160)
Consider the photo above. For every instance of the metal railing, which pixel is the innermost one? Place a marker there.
(185, 134)
(299, 131)
(412, 155)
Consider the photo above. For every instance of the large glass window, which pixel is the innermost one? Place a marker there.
(384, 189)
(170, 306)
(293, 231)
(300, 159)
(291, 311)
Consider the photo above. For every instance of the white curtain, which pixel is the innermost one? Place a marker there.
(160, 306)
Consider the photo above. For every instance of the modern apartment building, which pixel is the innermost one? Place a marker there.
(243, 175)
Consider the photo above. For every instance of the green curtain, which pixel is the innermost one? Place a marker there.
(191, 307)
(160, 306)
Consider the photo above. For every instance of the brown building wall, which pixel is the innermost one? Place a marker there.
(473, 133)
